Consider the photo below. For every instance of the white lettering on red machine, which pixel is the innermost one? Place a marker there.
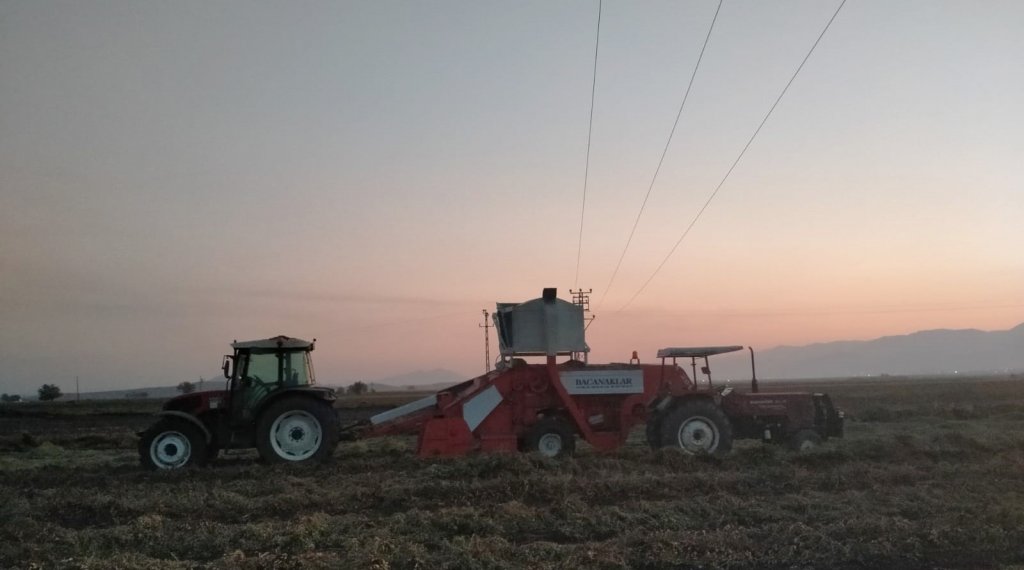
(603, 381)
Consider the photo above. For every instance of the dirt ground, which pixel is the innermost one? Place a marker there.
(930, 475)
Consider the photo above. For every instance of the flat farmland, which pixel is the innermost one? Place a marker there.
(930, 475)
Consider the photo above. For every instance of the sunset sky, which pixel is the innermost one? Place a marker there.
(176, 175)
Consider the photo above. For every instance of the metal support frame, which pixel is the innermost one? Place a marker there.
(487, 341)
(753, 371)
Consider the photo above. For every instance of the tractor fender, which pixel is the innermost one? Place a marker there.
(660, 404)
(324, 394)
(676, 401)
(190, 418)
(672, 402)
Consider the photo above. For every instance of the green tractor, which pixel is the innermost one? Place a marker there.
(271, 403)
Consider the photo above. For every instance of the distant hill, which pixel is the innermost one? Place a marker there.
(926, 352)
(435, 379)
(940, 351)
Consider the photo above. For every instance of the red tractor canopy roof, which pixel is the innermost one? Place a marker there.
(696, 351)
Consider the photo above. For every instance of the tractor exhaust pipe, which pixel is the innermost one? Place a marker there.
(753, 371)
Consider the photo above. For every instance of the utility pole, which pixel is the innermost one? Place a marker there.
(487, 340)
(581, 298)
(78, 391)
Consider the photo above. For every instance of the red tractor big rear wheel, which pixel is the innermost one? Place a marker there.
(297, 429)
(697, 426)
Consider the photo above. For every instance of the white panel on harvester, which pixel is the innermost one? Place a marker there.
(480, 406)
(405, 410)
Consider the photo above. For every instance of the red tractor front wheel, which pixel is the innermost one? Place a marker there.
(172, 443)
(804, 440)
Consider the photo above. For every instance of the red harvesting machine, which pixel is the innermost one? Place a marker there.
(543, 407)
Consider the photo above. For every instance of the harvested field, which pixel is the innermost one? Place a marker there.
(931, 474)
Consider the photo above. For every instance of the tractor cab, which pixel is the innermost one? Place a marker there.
(259, 368)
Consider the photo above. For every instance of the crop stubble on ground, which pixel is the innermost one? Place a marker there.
(930, 475)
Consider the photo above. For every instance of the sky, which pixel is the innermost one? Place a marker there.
(177, 175)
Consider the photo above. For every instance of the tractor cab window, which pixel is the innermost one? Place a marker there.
(261, 372)
(259, 376)
(262, 368)
(296, 369)
(273, 369)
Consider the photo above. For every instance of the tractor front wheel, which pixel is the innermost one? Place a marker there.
(550, 437)
(697, 426)
(172, 443)
(297, 430)
(804, 440)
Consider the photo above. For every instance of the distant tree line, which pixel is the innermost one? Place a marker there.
(48, 392)
(357, 388)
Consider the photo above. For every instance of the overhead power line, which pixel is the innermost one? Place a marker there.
(654, 178)
(738, 158)
(590, 131)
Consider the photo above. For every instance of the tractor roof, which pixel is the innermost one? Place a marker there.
(696, 351)
(279, 341)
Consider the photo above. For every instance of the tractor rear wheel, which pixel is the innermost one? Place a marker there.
(298, 429)
(550, 437)
(172, 443)
(804, 440)
(697, 426)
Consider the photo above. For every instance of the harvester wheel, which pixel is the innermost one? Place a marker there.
(550, 437)
(697, 426)
(804, 440)
(172, 443)
(297, 429)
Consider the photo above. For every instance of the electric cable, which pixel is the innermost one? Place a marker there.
(590, 132)
(650, 187)
(735, 162)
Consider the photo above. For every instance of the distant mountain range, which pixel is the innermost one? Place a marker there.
(926, 352)
(921, 353)
(932, 352)
(435, 379)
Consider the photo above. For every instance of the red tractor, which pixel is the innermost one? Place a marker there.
(271, 403)
(800, 420)
(544, 407)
